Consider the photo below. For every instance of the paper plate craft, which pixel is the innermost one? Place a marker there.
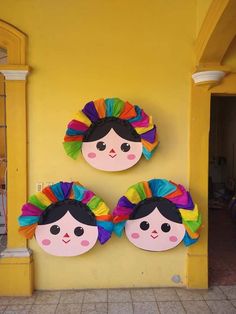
(112, 134)
(157, 215)
(66, 219)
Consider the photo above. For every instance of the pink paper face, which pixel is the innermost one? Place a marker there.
(66, 236)
(112, 152)
(154, 232)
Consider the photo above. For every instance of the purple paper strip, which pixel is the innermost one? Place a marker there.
(124, 202)
(103, 235)
(149, 136)
(122, 211)
(144, 122)
(77, 125)
(184, 200)
(90, 111)
(87, 197)
(189, 205)
(31, 210)
(66, 188)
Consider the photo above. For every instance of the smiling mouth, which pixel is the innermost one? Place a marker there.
(154, 236)
(65, 241)
(112, 156)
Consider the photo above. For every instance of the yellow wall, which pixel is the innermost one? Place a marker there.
(202, 8)
(140, 51)
(230, 56)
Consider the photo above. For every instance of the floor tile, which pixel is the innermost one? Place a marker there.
(71, 297)
(47, 297)
(120, 308)
(22, 311)
(94, 308)
(213, 293)
(166, 294)
(5, 300)
(22, 300)
(43, 309)
(188, 295)
(172, 307)
(69, 308)
(221, 307)
(26, 307)
(142, 295)
(229, 291)
(234, 303)
(196, 307)
(15, 309)
(119, 295)
(2, 308)
(92, 296)
(145, 307)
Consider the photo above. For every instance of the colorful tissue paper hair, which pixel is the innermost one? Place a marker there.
(59, 192)
(100, 109)
(176, 193)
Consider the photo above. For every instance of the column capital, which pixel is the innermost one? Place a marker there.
(209, 76)
(14, 75)
(14, 72)
(16, 252)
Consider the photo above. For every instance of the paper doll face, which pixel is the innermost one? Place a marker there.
(112, 152)
(66, 236)
(154, 232)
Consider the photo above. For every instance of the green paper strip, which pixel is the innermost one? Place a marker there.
(194, 225)
(33, 200)
(94, 202)
(140, 189)
(118, 106)
(72, 148)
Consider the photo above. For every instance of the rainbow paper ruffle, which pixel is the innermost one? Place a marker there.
(61, 191)
(176, 193)
(110, 107)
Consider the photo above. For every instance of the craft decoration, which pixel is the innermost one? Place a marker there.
(66, 219)
(112, 134)
(157, 215)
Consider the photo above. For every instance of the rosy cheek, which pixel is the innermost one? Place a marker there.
(91, 155)
(173, 238)
(84, 243)
(46, 242)
(131, 156)
(135, 235)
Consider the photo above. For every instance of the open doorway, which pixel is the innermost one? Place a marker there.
(222, 189)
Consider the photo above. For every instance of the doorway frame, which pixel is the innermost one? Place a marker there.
(16, 263)
(216, 34)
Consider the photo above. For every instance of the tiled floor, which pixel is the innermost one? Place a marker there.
(218, 299)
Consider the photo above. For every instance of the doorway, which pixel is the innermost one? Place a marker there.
(222, 189)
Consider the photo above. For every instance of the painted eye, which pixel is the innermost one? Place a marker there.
(165, 227)
(78, 231)
(101, 146)
(125, 147)
(55, 229)
(144, 225)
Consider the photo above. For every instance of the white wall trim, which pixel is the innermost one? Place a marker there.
(19, 252)
(15, 75)
(204, 77)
